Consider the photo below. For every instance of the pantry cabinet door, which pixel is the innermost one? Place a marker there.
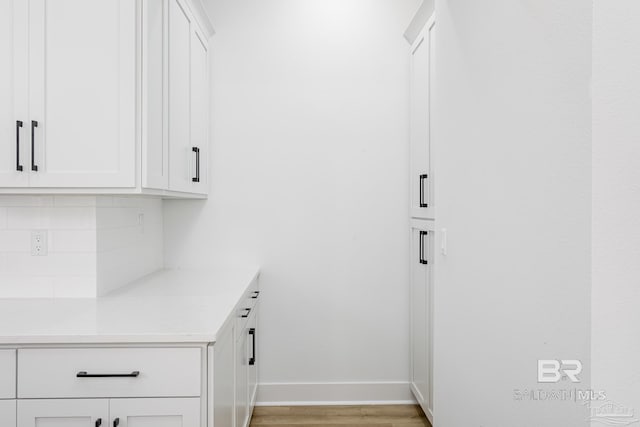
(63, 412)
(8, 413)
(158, 412)
(13, 93)
(421, 267)
(421, 178)
(82, 93)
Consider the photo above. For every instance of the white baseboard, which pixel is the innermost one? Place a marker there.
(370, 393)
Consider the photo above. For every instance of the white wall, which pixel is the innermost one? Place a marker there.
(513, 189)
(616, 202)
(309, 175)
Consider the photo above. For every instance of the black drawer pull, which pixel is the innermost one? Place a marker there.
(84, 374)
(252, 360)
(34, 125)
(248, 310)
(18, 126)
(197, 151)
(422, 236)
(423, 204)
(116, 422)
(255, 294)
(98, 422)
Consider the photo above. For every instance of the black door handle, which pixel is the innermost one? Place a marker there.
(252, 360)
(18, 126)
(422, 236)
(248, 310)
(116, 422)
(98, 422)
(84, 374)
(423, 178)
(197, 151)
(34, 125)
(255, 294)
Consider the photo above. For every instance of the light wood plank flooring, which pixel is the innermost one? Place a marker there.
(338, 416)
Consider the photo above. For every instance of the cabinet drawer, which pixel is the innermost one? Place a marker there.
(109, 372)
(7, 374)
(246, 306)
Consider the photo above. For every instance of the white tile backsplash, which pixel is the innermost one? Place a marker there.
(95, 244)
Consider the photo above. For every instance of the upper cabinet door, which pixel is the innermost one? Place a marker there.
(82, 93)
(188, 102)
(200, 111)
(13, 93)
(421, 104)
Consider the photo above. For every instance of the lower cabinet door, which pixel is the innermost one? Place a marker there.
(242, 372)
(63, 413)
(159, 412)
(223, 379)
(253, 358)
(422, 249)
(8, 413)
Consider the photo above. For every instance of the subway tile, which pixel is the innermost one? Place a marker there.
(13, 286)
(74, 287)
(18, 201)
(3, 218)
(117, 217)
(72, 241)
(15, 241)
(29, 218)
(74, 201)
(54, 264)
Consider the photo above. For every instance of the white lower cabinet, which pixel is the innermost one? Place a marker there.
(421, 350)
(109, 412)
(154, 412)
(63, 413)
(7, 413)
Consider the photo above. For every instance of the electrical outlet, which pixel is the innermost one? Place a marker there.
(39, 243)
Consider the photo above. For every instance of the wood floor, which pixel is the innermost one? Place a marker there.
(338, 416)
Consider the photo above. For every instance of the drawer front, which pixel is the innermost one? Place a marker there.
(7, 374)
(246, 307)
(109, 372)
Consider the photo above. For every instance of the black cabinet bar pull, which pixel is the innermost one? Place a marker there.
(34, 125)
(197, 151)
(252, 360)
(84, 374)
(423, 178)
(255, 294)
(422, 236)
(18, 126)
(98, 422)
(248, 310)
(116, 422)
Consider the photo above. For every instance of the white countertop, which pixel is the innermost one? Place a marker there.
(170, 306)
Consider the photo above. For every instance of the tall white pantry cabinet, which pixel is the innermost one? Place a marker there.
(422, 217)
(104, 96)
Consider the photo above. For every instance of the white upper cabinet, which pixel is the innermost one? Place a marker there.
(82, 103)
(13, 93)
(422, 61)
(188, 102)
(85, 93)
